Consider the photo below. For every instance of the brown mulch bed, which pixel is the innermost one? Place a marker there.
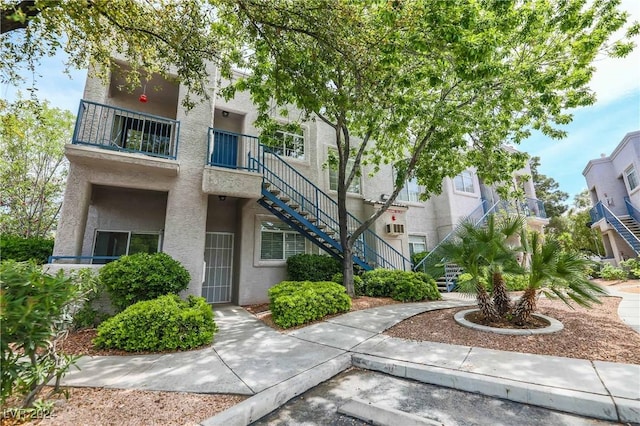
(593, 334)
(127, 407)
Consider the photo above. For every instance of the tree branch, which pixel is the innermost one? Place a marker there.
(26, 7)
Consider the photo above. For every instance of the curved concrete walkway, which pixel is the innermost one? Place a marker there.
(250, 358)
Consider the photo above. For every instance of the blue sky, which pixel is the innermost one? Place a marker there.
(595, 130)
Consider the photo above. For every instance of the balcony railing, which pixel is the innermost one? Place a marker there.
(534, 207)
(232, 150)
(121, 129)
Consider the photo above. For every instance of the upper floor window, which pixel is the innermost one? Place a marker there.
(279, 241)
(287, 144)
(333, 176)
(410, 191)
(464, 182)
(632, 178)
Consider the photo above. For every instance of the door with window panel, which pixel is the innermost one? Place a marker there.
(218, 257)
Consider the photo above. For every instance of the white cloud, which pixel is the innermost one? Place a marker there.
(617, 77)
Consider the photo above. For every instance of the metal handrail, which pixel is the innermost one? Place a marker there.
(231, 150)
(121, 129)
(600, 211)
(633, 211)
(325, 209)
(92, 258)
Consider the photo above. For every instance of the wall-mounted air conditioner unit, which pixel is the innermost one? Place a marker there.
(395, 228)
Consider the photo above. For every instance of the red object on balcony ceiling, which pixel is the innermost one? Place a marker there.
(143, 98)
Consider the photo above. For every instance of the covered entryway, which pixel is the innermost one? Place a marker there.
(218, 257)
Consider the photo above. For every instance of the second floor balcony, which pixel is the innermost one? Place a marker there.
(124, 130)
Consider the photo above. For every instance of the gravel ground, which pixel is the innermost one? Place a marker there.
(594, 334)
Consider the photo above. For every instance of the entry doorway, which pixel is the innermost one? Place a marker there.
(218, 257)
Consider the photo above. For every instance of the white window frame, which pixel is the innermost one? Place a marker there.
(356, 183)
(412, 243)
(298, 139)
(284, 233)
(631, 176)
(410, 192)
(468, 187)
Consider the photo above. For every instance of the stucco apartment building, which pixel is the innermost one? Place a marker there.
(147, 175)
(614, 186)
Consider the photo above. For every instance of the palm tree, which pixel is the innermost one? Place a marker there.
(484, 252)
(555, 273)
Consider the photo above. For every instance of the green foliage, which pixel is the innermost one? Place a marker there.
(414, 287)
(417, 257)
(632, 266)
(20, 249)
(548, 190)
(167, 322)
(32, 166)
(401, 285)
(516, 282)
(312, 267)
(358, 283)
(142, 276)
(34, 312)
(87, 315)
(398, 89)
(611, 273)
(298, 302)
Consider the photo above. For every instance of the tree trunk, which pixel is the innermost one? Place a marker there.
(347, 270)
(501, 299)
(485, 304)
(525, 307)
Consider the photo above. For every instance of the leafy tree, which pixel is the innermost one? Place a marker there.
(573, 230)
(32, 166)
(431, 87)
(547, 190)
(162, 36)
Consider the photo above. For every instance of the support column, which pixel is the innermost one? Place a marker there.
(73, 215)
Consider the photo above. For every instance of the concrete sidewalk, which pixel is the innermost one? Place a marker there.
(250, 358)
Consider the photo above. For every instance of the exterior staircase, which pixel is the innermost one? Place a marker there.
(628, 227)
(297, 201)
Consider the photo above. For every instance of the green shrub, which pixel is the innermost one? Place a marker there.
(312, 267)
(142, 276)
(87, 315)
(384, 283)
(516, 282)
(358, 284)
(298, 302)
(21, 249)
(610, 273)
(34, 312)
(414, 287)
(167, 322)
(417, 257)
(632, 266)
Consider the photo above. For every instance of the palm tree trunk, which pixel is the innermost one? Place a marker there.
(501, 299)
(485, 304)
(525, 306)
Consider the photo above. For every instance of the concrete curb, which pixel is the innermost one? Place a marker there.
(570, 401)
(274, 397)
(554, 325)
(382, 416)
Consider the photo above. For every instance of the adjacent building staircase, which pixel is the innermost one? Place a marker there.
(297, 201)
(628, 227)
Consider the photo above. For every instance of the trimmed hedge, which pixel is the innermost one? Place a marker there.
(400, 285)
(167, 322)
(13, 247)
(298, 302)
(142, 276)
(358, 284)
(312, 267)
